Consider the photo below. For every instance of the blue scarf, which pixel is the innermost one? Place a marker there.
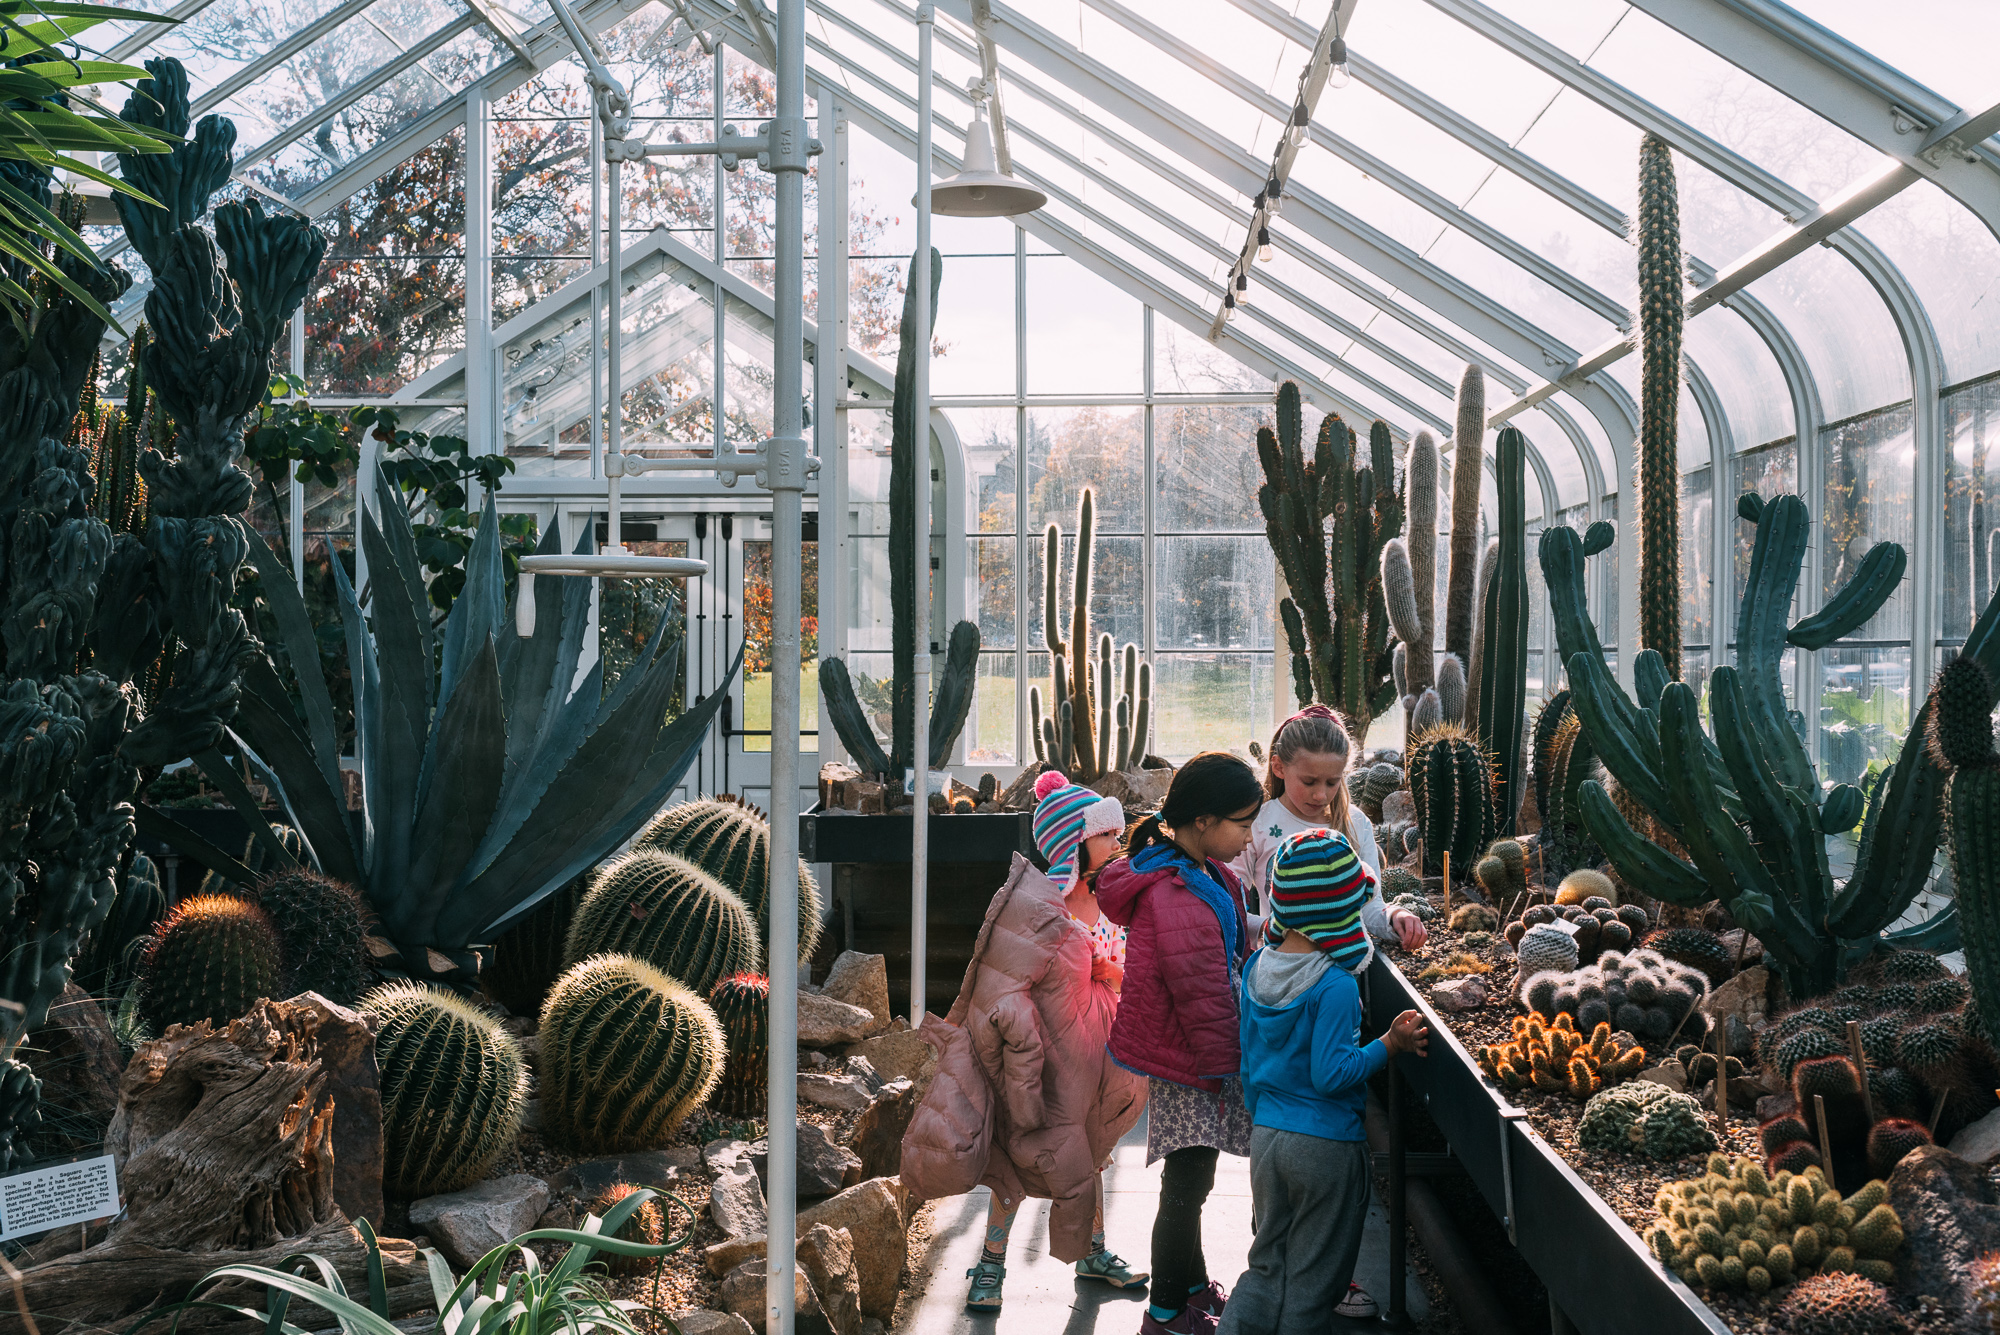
(1204, 887)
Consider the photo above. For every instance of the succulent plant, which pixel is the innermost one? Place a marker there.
(742, 1005)
(323, 924)
(732, 843)
(1451, 782)
(1662, 313)
(1699, 1063)
(1545, 948)
(1901, 966)
(1890, 1139)
(1083, 692)
(1456, 965)
(1942, 994)
(666, 911)
(1643, 1117)
(1840, 1303)
(109, 958)
(1468, 445)
(1400, 881)
(1893, 1090)
(647, 1224)
(527, 958)
(1503, 872)
(1476, 940)
(1928, 1043)
(1585, 883)
(1417, 904)
(453, 1088)
(1693, 946)
(626, 1054)
(1807, 1044)
(1833, 1085)
(1474, 918)
(211, 959)
(1741, 1226)
(1556, 1059)
(1640, 992)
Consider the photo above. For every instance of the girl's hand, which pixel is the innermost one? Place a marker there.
(1110, 974)
(1407, 1033)
(1409, 928)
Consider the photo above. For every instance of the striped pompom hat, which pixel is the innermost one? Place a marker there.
(1318, 886)
(1066, 816)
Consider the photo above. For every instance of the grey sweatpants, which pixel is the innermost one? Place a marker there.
(1309, 1197)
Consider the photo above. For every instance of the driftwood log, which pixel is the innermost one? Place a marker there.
(224, 1144)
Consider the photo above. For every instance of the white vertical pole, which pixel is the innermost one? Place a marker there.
(596, 301)
(297, 490)
(615, 388)
(784, 474)
(482, 383)
(830, 390)
(920, 810)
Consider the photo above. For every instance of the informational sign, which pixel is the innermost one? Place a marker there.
(65, 1193)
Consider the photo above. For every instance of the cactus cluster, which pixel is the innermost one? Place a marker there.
(1646, 1118)
(1583, 884)
(1458, 964)
(1397, 842)
(1474, 918)
(1081, 695)
(1741, 1227)
(1335, 619)
(1541, 948)
(453, 1088)
(951, 691)
(108, 960)
(1503, 872)
(742, 1005)
(1791, 1140)
(1451, 782)
(1369, 784)
(1641, 993)
(1960, 736)
(626, 1054)
(1693, 946)
(527, 958)
(1398, 882)
(1556, 1059)
(323, 924)
(1595, 927)
(670, 913)
(210, 959)
(731, 841)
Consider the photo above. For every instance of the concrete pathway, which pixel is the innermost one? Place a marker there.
(1043, 1294)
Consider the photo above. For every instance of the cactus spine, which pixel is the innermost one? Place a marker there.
(1468, 445)
(1335, 614)
(1503, 636)
(453, 1088)
(1451, 780)
(742, 1005)
(1661, 312)
(1409, 569)
(951, 695)
(732, 843)
(1961, 738)
(1088, 734)
(668, 912)
(627, 1054)
(212, 958)
(322, 923)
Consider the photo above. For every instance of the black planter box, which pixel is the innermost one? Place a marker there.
(1597, 1270)
(992, 836)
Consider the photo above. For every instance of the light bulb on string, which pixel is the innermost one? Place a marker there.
(1336, 74)
(1264, 245)
(1301, 124)
(1242, 288)
(1228, 305)
(1273, 194)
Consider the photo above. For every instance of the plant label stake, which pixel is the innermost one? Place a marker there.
(1447, 882)
(1861, 1065)
(1722, 1083)
(1937, 1109)
(1825, 1141)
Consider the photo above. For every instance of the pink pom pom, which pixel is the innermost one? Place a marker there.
(1048, 783)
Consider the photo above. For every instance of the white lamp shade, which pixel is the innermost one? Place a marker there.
(981, 191)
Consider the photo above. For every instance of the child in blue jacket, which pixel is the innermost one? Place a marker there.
(1305, 1078)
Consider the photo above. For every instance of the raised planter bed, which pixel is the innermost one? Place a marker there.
(1598, 1271)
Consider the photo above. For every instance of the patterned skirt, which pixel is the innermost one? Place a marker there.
(1178, 1116)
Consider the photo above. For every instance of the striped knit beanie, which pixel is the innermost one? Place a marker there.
(1318, 886)
(1068, 815)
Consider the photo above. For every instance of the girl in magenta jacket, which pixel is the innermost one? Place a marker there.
(1187, 935)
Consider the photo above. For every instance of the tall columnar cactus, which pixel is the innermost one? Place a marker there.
(909, 460)
(324, 924)
(1662, 310)
(742, 1005)
(1503, 636)
(211, 959)
(668, 912)
(1335, 616)
(1409, 570)
(1489, 565)
(732, 842)
(1746, 806)
(528, 958)
(453, 1088)
(1077, 735)
(1451, 779)
(627, 1054)
(1468, 449)
(107, 963)
(1961, 742)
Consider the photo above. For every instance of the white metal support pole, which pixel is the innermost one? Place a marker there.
(482, 381)
(830, 388)
(785, 475)
(615, 318)
(296, 497)
(596, 300)
(920, 418)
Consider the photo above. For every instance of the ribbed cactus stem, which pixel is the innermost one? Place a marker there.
(732, 843)
(1982, 554)
(1488, 561)
(1662, 310)
(1125, 732)
(1420, 501)
(1502, 690)
(1103, 700)
(1131, 676)
(1960, 719)
(1035, 722)
(1051, 599)
(1451, 688)
(1142, 716)
(1451, 781)
(668, 912)
(1468, 446)
(453, 1088)
(626, 1054)
(1083, 720)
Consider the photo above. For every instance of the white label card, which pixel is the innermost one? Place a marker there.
(65, 1193)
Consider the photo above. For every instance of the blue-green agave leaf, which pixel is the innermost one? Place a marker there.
(301, 643)
(467, 758)
(267, 726)
(403, 542)
(404, 705)
(476, 613)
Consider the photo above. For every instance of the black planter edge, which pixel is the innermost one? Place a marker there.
(1595, 1267)
(989, 836)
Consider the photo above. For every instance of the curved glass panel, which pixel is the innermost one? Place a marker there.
(1844, 330)
(1960, 66)
(1745, 375)
(1953, 262)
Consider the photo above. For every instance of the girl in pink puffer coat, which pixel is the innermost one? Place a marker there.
(1025, 1100)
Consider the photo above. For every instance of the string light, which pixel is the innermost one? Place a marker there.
(1336, 75)
(1264, 245)
(1273, 194)
(1301, 123)
(1242, 288)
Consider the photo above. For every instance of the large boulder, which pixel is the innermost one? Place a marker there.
(741, 1294)
(825, 1022)
(1980, 1142)
(713, 1323)
(902, 1055)
(736, 1197)
(827, 1257)
(1951, 1216)
(354, 1084)
(878, 1136)
(1137, 790)
(843, 1093)
(1744, 997)
(823, 1167)
(872, 1214)
(467, 1224)
(861, 980)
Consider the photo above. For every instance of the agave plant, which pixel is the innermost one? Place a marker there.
(487, 781)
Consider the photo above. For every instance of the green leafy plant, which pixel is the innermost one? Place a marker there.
(290, 434)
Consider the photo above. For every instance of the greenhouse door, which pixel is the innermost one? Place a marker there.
(738, 550)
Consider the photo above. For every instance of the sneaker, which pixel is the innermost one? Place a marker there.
(1111, 1268)
(1357, 1305)
(1210, 1300)
(1191, 1321)
(983, 1295)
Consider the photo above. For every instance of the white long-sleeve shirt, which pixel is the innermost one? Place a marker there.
(1275, 824)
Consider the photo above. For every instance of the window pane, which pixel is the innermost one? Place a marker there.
(1210, 702)
(1208, 475)
(974, 337)
(1214, 593)
(1186, 363)
(1070, 449)
(989, 728)
(1083, 333)
(757, 645)
(1870, 468)
(991, 561)
(1117, 593)
(1864, 710)
(1972, 417)
(987, 437)
(1697, 556)
(1770, 471)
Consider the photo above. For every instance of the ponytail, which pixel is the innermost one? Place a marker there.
(1145, 835)
(1213, 783)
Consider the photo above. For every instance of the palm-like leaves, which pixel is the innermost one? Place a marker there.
(487, 781)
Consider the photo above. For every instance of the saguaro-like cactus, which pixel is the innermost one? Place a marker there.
(951, 697)
(1662, 309)
(1335, 616)
(1409, 570)
(1960, 730)
(1468, 447)
(1747, 805)
(1503, 636)
(1077, 735)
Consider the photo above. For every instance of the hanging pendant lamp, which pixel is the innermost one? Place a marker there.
(981, 190)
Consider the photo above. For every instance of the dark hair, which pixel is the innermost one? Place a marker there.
(1213, 783)
(1318, 730)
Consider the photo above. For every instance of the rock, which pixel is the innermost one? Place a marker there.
(833, 778)
(713, 1323)
(1020, 794)
(872, 1214)
(870, 1326)
(467, 1224)
(1743, 945)
(1774, 1105)
(736, 1197)
(1744, 996)
(823, 1167)
(354, 1084)
(81, 1062)
(861, 980)
(898, 1055)
(827, 1023)
(1742, 1043)
(742, 1293)
(1951, 1215)
(864, 1070)
(827, 1257)
(1669, 1073)
(878, 1136)
(845, 1093)
(1137, 790)
(1399, 807)
(1980, 1142)
(642, 1168)
(1459, 994)
(558, 1216)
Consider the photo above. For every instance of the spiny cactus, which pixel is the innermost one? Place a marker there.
(1890, 1139)
(626, 1054)
(1499, 688)
(1399, 881)
(742, 1005)
(1451, 690)
(1334, 614)
(952, 687)
(1961, 743)
(1642, 1117)
(1585, 883)
(1595, 927)
(732, 843)
(1699, 1063)
(1662, 310)
(1474, 918)
(1503, 872)
(256, 857)
(1556, 1059)
(322, 923)
(1695, 946)
(453, 1088)
(1840, 1303)
(668, 912)
(1456, 965)
(106, 965)
(1544, 949)
(211, 959)
(1639, 992)
(1409, 570)
(1081, 701)
(1900, 966)
(528, 957)
(1451, 781)
(1740, 1226)
(1832, 1084)
(647, 1224)
(1942, 994)
(1468, 446)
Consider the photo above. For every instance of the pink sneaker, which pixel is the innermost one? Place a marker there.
(1210, 1300)
(1191, 1321)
